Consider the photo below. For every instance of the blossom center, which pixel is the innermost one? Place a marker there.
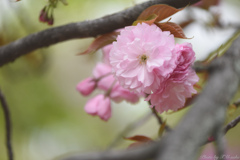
(143, 59)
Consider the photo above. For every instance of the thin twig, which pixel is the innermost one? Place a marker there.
(7, 117)
(229, 126)
(232, 124)
(159, 118)
(130, 128)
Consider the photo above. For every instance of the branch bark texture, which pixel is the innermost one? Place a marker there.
(203, 120)
(92, 28)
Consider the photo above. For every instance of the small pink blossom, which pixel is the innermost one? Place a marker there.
(172, 94)
(117, 92)
(86, 86)
(185, 59)
(142, 57)
(103, 73)
(100, 106)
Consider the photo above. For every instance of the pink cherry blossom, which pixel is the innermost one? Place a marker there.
(117, 92)
(172, 94)
(102, 72)
(86, 86)
(106, 50)
(185, 59)
(100, 106)
(142, 57)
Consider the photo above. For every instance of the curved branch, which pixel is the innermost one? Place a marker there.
(7, 125)
(92, 28)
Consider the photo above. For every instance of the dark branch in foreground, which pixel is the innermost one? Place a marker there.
(202, 120)
(92, 28)
(7, 125)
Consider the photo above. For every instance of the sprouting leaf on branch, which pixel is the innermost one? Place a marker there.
(162, 128)
(161, 10)
(156, 13)
(221, 50)
(139, 140)
(150, 20)
(100, 42)
(174, 28)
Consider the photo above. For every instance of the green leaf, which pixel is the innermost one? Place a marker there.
(221, 50)
(100, 42)
(161, 10)
(150, 20)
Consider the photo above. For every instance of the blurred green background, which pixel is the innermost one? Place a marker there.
(47, 112)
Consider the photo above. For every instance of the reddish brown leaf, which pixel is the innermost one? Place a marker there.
(139, 138)
(174, 28)
(161, 10)
(150, 20)
(100, 42)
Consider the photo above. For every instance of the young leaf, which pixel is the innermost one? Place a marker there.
(100, 42)
(139, 138)
(150, 20)
(162, 128)
(174, 28)
(161, 10)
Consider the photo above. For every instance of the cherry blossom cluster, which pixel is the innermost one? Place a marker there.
(104, 80)
(143, 61)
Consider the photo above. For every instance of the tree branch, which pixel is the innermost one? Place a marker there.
(7, 125)
(92, 28)
(232, 124)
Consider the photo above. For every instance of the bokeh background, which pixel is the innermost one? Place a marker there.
(47, 112)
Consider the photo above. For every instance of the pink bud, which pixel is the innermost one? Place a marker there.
(99, 105)
(50, 20)
(43, 15)
(86, 86)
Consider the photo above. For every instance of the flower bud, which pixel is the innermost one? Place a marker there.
(86, 86)
(100, 106)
